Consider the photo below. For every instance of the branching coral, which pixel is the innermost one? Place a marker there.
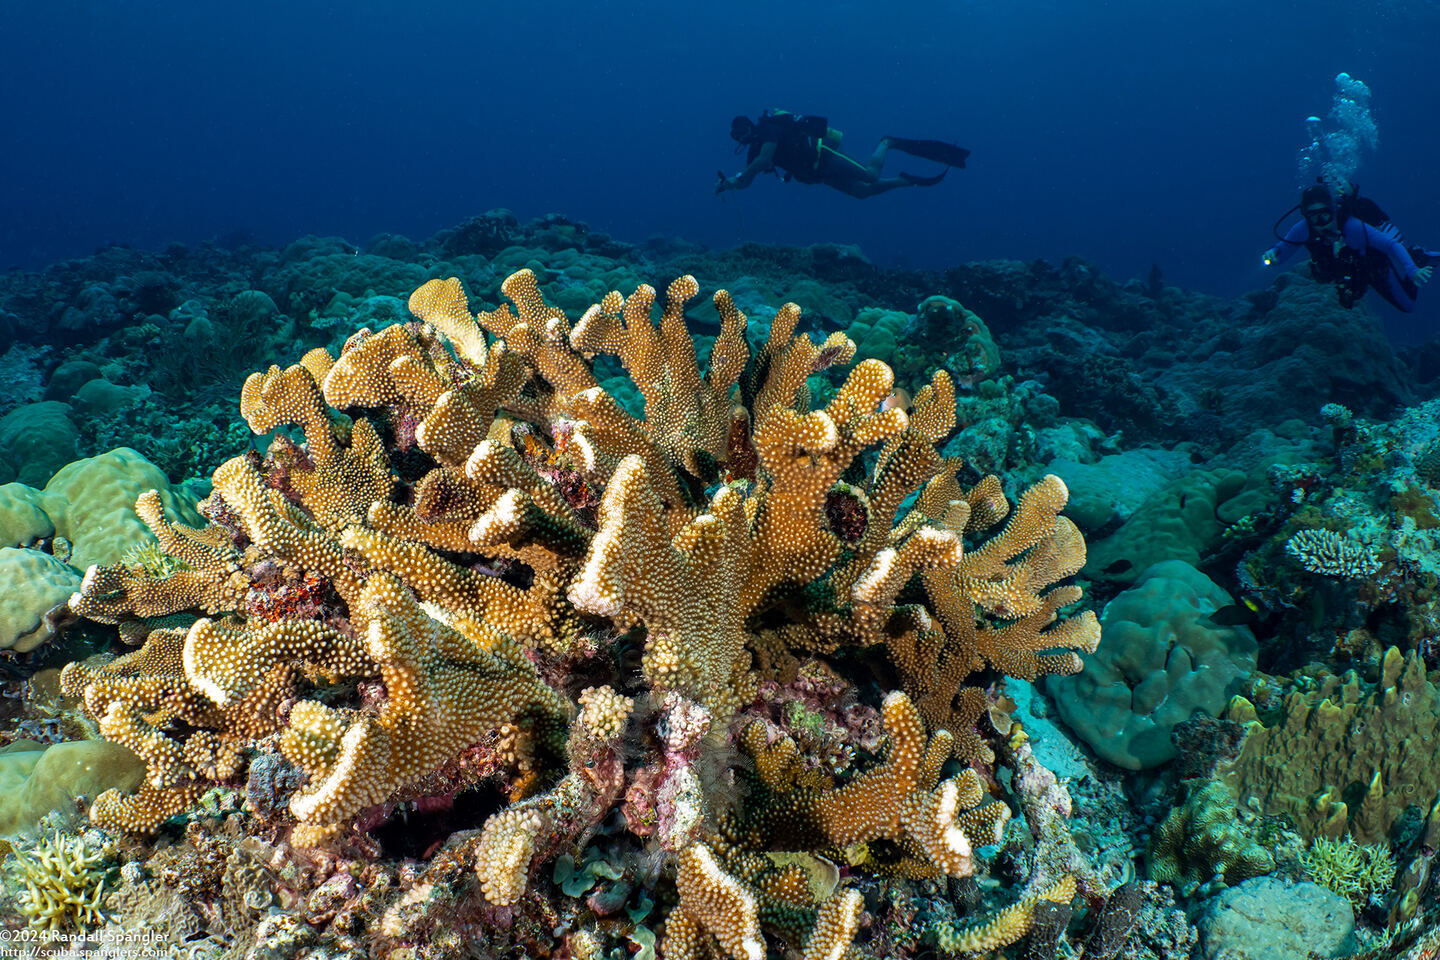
(475, 545)
(1007, 926)
(1330, 554)
(62, 883)
(1350, 869)
(937, 825)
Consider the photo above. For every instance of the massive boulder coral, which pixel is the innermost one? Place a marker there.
(36, 583)
(475, 542)
(84, 515)
(1164, 659)
(36, 778)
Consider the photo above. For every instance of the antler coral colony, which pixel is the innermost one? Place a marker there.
(453, 609)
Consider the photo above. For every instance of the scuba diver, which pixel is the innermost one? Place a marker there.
(807, 149)
(1353, 245)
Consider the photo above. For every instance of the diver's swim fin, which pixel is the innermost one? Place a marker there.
(915, 181)
(937, 150)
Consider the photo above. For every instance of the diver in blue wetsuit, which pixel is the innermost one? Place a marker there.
(1351, 252)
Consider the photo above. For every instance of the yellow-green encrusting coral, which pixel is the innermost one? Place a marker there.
(1357, 871)
(61, 883)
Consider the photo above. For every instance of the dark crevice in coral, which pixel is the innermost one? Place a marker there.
(415, 832)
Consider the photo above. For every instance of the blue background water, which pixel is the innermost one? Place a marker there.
(1130, 133)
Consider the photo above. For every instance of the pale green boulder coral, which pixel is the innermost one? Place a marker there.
(92, 504)
(32, 583)
(36, 779)
(1162, 659)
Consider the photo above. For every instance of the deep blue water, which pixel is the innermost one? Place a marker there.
(1130, 132)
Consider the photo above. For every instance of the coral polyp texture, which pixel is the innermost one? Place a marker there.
(465, 568)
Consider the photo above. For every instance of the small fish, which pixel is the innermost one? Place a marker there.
(898, 399)
(1235, 615)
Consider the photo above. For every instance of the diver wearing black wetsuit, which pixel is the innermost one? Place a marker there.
(807, 150)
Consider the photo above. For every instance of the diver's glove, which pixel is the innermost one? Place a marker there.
(723, 183)
(1422, 276)
(1270, 256)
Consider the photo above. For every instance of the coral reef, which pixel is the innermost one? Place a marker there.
(61, 882)
(1344, 560)
(1349, 869)
(464, 574)
(564, 518)
(715, 628)
(1201, 846)
(1345, 757)
(1164, 659)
